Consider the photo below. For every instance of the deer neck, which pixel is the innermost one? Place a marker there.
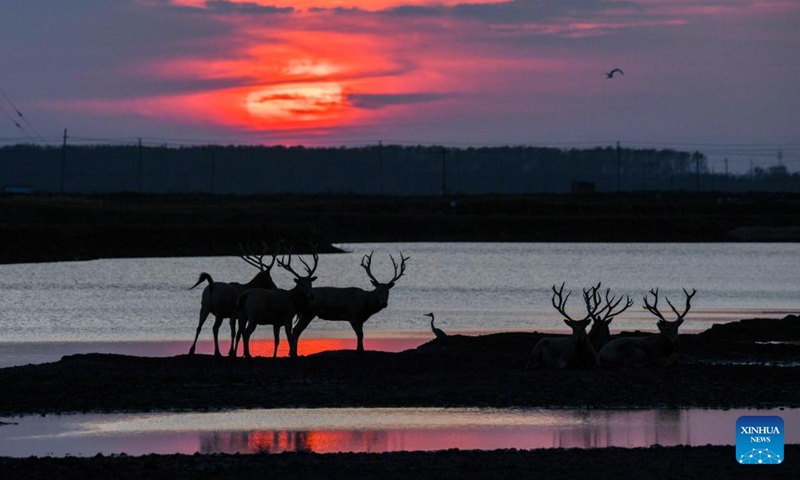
(299, 300)
(665, 344)
(258, 281)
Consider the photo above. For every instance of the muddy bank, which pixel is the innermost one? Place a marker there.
(459, 371)
(652, 463)
(38, 228)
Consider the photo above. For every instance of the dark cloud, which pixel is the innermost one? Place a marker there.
(376, 101)
(249, 8)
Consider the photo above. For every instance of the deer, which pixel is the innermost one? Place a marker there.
(353, 304)
(600, 333)
(660, 349)
(276, 307)
(576, 351)
(219, 298)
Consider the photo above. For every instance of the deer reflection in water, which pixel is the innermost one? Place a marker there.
(279, 441)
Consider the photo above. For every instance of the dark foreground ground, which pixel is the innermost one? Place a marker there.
(456, 371)
(37, 228)
(653, 463)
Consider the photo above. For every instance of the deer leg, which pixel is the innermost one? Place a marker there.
(359, 329)
(217, 324)
(231, 351)
(276, 331)
(204, 312)
(239, 333)
(251, 327)
(303, 319)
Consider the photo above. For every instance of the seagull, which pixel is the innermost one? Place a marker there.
(436, 331)
(611, 73)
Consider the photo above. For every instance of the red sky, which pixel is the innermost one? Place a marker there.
(475, 72)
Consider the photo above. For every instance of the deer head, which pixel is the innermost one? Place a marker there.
(263, 279)
(302, 282)
(600, 333)
(578, 326)
(667, 328)
(382, 289)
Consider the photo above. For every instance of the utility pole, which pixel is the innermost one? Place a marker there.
(380, 167)
(697, 157)
(726, 167)
(444, 172)
(619, 169)
(63, 161)
(213, 166)
(751, 169)
(780, 157)
(140, 165)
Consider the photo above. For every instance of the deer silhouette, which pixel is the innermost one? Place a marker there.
(219, 298)
(353, 305)
(275, 307)
(660, 349)
(574, 352)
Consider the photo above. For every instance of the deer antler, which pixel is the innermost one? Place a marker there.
(560, 302)
(315, 256)
(654, 307)
(287, 265)
(403, 259)
(688, 305)
(366, 264)
(612, 302)
(257, 260)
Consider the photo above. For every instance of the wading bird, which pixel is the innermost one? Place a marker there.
(436, 331)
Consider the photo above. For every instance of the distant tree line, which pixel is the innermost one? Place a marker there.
(372, 170)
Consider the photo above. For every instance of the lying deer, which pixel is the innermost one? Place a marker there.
(660, 349)
(353, 305)
(219, 298)
(574, 352)
(274, 307)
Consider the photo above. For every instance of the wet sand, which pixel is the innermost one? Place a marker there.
(730, 365)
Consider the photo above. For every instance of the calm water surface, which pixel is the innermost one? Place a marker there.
(472, 288)
(371, 430)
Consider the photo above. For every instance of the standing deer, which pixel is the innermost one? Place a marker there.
(660, 349)
(600, 334)
(576, 351)
(353, 305)
(219, 298)
(274, 307)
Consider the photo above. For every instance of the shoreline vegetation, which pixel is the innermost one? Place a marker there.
(46, 228)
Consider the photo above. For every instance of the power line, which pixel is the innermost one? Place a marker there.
(20, 116)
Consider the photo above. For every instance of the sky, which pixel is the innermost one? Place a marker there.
(720, 76)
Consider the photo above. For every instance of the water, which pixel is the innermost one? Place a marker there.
(370, 430)
(472, 287)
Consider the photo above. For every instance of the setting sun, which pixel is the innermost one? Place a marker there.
(296, 102)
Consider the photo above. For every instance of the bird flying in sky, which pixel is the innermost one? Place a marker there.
(612, 72)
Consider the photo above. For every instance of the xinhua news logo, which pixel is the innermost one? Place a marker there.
(759, 440)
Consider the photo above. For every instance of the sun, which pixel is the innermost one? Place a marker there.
(297, 103)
